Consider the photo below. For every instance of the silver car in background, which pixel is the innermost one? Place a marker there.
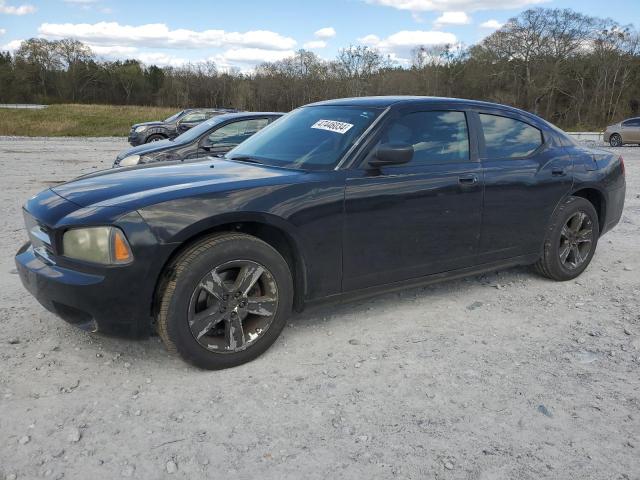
(626, 131)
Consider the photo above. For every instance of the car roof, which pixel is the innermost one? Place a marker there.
(231, 115)
(399, 100)
(208, 109)
(387, 101)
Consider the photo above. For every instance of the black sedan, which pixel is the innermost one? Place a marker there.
(212, 137)
(172, 126)
(336, 199)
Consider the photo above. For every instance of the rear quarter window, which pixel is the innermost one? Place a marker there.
(509, 138)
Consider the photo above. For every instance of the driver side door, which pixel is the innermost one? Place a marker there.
(423, 217)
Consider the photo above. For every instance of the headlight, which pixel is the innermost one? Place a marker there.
(141, 128)
(130, 161)
(105, 245)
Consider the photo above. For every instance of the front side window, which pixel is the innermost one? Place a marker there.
(437, 137)
(194, 117)
(508, 138)
(309, 138)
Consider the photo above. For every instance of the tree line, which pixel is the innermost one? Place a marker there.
(575, 70)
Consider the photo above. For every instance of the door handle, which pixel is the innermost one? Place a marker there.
(467, 180)
(558, 172)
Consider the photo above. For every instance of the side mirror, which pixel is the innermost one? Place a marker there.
(391, 154)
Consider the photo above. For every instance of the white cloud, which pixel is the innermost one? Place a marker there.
(315, 44)
(492, 24)
(407, 38)
(161, 59)
(252, 56)
(325, 33)
(89, 5)
(246, 59)
(453, 18)
(399, 45)
(2, 31)
(114, 51)
(12, 46)
(13, 10)
(160, 36)
(448, 5)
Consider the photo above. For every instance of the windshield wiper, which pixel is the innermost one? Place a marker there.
(244, 159)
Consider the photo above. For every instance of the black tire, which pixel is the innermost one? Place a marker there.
(156, 137)
(615, 140)
(187, 274)
(551, 264)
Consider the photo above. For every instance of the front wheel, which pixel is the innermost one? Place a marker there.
(615, 140)
(571, 240)
(156, 137)
(225, 302)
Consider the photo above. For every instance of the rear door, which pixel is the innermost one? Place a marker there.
(223, 138)
(526, 175)
(423, 217)
(631, 130)
(190, 120)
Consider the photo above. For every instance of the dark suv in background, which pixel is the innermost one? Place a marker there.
(215, 136)
(173, 126)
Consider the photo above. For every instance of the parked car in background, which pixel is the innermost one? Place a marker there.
(215, 136)
(624, 132)
(173, 126)
(337, 199)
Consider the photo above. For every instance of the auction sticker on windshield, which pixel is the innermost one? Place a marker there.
(332, 126)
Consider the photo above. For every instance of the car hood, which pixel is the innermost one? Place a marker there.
(136, 187)
(147, 148)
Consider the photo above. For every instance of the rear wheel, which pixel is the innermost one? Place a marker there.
(156, 137)
(226, 301)
(615, 140)
(571, 240)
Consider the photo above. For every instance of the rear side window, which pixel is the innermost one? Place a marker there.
(634, 122)
(508, 138)
(437, 137)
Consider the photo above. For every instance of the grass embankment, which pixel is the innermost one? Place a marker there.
(72, 120)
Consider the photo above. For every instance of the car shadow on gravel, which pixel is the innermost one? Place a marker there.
(151, 351)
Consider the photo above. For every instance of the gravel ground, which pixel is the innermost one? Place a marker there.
(499, 376)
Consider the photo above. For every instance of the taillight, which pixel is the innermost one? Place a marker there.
(621, 163)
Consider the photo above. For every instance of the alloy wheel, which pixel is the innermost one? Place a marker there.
(576, 240)
(233, 306)
(615, 140)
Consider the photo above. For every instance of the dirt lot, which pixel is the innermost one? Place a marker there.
(499, 376)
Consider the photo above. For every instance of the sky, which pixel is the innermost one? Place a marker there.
(243, 33)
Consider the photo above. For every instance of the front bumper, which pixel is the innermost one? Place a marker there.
(100, 302)
(136, 139)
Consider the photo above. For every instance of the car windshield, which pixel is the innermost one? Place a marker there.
(200, 129)
(173, 117)
(309, 138)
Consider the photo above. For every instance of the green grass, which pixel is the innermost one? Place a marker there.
(72, 120)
